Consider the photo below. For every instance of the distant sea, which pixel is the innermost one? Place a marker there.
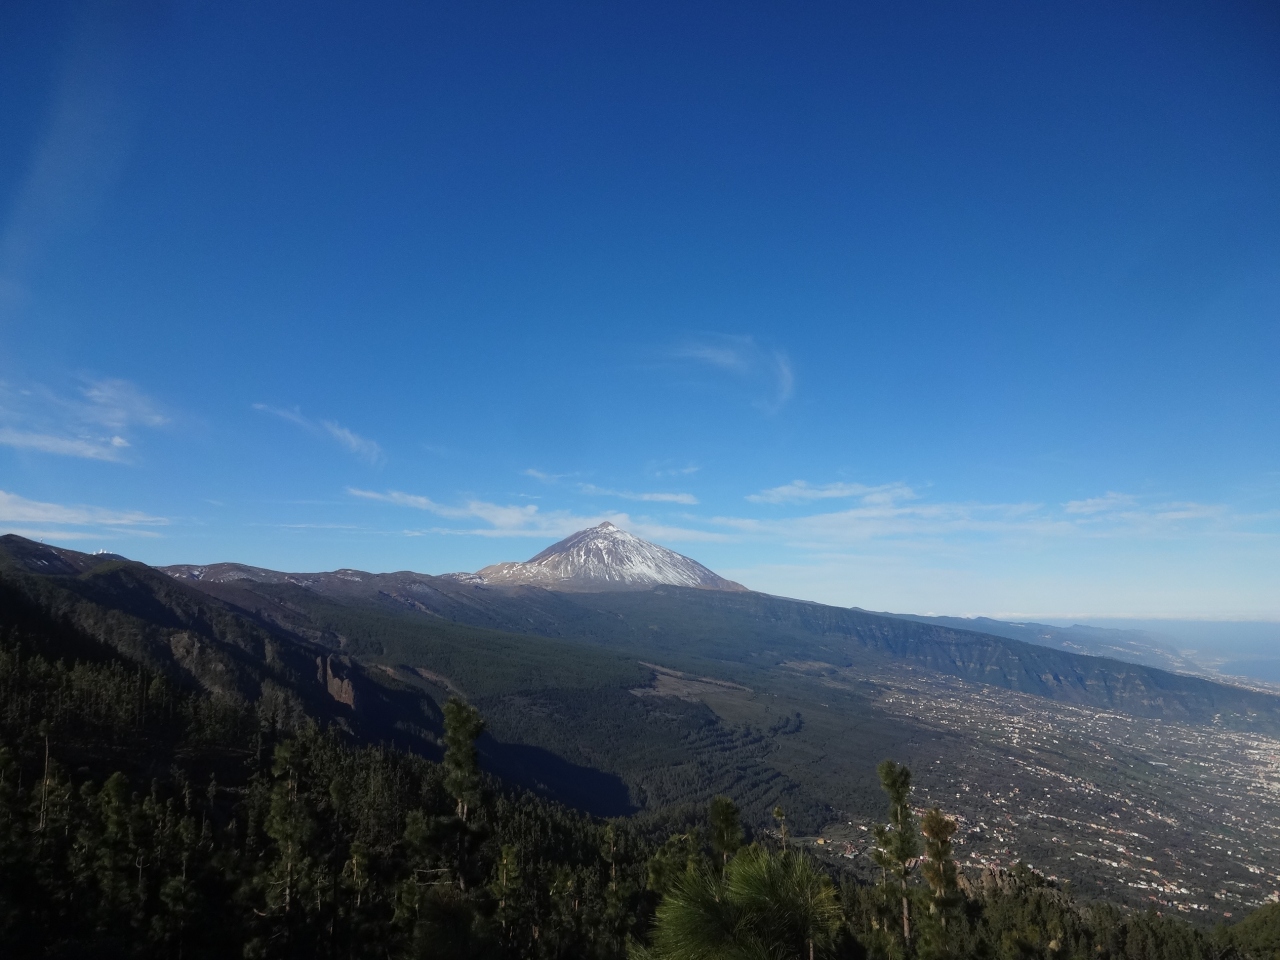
(1238, 648)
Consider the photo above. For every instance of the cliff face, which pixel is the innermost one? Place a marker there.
(338, 682)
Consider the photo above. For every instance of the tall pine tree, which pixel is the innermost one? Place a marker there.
(898, 842)
(462, 725)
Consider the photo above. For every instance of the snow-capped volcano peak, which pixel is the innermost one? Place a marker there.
(605, 557)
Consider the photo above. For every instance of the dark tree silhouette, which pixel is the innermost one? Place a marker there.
(726, 827)
(462, 725)
(898, 843)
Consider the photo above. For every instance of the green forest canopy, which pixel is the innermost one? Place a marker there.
(139, 819)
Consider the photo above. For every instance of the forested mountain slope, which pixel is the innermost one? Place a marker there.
(702, 627)
(563, 715)
(147, 813)
(103, 607)
(647, 700)
(144, 814)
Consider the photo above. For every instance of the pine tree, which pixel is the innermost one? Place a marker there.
(678, 856)
(939, 868)
(290, 824)
(898, 843)
(506, 889)
(766, 904)
(726, 827)
(462, 725)
(780, 818)
(937, 940)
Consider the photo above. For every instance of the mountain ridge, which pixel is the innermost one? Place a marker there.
(744, 626)
(750, 628)
(1132, 646)
(724, 627)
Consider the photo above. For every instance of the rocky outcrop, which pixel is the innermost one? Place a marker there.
(335, 673)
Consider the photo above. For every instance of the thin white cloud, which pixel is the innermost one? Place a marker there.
(665, 534)
(293, 416)
(685, 498)
(1107, 503)
(898, 512)
(526, 520)
(93, 426)
(731, 356)
(675, 471)
(592, 490)
(1124, 511)
(18, 509)
(786, 378)
(367, 450)
(881, 521)
(544, 477)
(63, 446)
(798, 491)
(768, 371)
(117, 404)
(1173, 512)
(402, 500)
(308, 526)
(364, 448)
(876, 519)
(514, 518)
(60, 535)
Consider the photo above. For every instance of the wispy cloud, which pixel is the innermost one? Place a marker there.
(1114, 551)
(15, 509)
(594, 491)
(798, 491)
(512, 520)
(543, 476)
(292, 416)
(364, 448)
(1117, 510)
(668, 533)
(896, 511)
(844, 542)
(407, 500)
(60, 535)
(64, 446)
(91, 425)
(885, 513)
(1107, 503)
(591, 490)
(786, 378)
(308, 526)
(526, 520)
(728, 355)
(768, 371)
(117, 404)
(684, 471)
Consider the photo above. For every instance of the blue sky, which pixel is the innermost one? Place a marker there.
(952, 308)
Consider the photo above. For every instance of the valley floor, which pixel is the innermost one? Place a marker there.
(1155, 813)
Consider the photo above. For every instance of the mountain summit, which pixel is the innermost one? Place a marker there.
(606, 558)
